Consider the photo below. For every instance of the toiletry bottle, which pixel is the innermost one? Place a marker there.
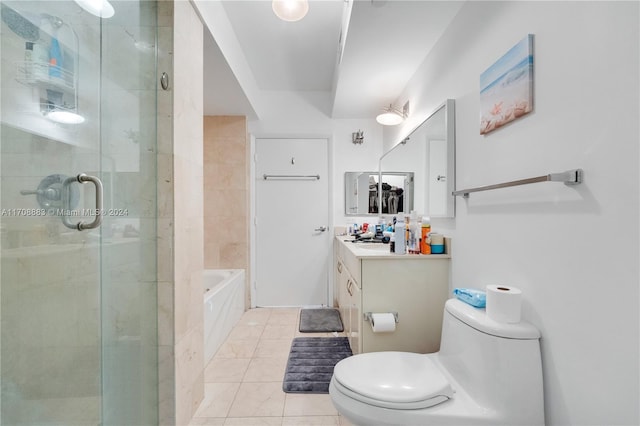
(414, 245)
(55, 59)
(425, 247)
(28, 59)
(392, 243)
(407, 230)
(40, 64)
(400, 237)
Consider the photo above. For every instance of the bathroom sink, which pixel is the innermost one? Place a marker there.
(373, 246)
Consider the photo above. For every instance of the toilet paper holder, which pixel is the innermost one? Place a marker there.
(367, 316)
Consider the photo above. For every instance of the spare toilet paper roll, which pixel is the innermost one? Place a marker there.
(383, 323)
(504, 303)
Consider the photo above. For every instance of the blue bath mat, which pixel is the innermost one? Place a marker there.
(311, 362)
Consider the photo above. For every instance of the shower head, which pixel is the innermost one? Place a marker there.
(19, 24)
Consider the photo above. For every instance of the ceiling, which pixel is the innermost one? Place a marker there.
(383, 42)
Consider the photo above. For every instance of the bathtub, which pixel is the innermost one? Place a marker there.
(223, 306)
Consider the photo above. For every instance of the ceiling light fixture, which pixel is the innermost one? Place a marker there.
(64, 117)
(290, 10)
(99, 8)
(392, 116)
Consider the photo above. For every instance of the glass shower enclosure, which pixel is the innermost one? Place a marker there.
(78, 303)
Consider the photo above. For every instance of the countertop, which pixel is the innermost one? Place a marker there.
(381, 251)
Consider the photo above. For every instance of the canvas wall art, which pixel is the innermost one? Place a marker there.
(506, 87)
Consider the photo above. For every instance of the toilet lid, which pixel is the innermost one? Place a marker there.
(393, 379)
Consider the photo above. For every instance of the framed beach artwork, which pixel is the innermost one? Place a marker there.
(506, 87)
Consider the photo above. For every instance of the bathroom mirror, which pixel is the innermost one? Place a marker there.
(362, 197)
(429, 152)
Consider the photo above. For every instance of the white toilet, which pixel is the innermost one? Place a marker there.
(486, 373)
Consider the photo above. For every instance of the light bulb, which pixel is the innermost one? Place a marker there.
(65, 117)
(290, 10)
(389, 118)
(99, 8)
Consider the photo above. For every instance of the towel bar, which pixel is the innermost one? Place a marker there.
(316, 177)
(570, 177)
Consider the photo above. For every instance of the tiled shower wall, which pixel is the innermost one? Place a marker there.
(226, 193)
(180, 220)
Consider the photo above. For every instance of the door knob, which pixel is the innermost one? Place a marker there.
(321, 229)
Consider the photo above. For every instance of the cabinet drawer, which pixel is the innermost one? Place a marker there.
(353, 265)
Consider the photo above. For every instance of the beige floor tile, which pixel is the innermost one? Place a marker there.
(308, 405)
(311, 420)
(222, 370)
(265, 370)
(344, 421)
(207, 421)
(273, 348)
(246, 332)
(283, 319)
(285, 311)
(253, 421)
(278, 332)
(218, 398)
(237, 349)
(258, 400)
(258, 316)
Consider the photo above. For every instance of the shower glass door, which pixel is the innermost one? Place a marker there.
(78, 305)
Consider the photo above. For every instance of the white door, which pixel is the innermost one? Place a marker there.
(292, 222)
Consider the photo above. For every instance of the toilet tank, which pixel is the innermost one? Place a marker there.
(498, 365)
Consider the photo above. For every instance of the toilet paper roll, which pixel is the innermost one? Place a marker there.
(504, 303)
(383, 323)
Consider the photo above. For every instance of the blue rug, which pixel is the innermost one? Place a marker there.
(311, 362)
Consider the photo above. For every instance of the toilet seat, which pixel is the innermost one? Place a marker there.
(396, 380)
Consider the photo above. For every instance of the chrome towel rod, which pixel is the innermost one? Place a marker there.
(316, 177)
(570, 177)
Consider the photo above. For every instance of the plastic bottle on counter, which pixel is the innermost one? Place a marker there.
(425, 243)
(414, 243)
(400, 237)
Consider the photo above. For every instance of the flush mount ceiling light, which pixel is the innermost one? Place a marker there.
(290, 10)
(392, 116)
(99, 8)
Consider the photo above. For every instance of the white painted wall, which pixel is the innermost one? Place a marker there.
(573, 251)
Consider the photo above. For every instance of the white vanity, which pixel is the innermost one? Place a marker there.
(370, 279)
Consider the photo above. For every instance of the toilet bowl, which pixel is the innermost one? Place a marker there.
(486, 373)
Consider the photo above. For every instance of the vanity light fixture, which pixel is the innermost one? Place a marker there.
(357, 137)
(99, 8)
(290, 10)
(392, 116)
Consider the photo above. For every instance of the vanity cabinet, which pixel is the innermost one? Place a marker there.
(349, 302)
(375, 281)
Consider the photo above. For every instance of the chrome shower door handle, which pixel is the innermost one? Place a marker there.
(83, 178)
(97, 212)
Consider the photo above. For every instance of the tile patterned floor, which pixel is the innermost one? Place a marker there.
(243, 382)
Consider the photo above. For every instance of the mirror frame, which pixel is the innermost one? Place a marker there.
(450, 128)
